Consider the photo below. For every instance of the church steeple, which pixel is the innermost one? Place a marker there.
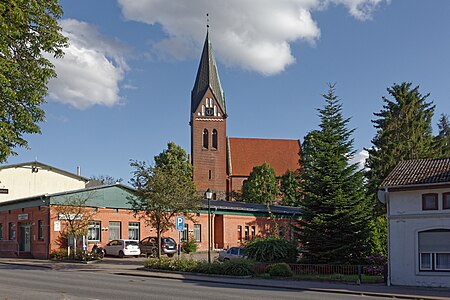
(207, 77)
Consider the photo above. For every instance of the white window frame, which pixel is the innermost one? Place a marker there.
(96, 226)
(198, 232)
(114, 223)
(421, 268)
(134, 226)
(435, 262)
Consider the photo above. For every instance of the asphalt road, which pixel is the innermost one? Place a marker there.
(22, 282)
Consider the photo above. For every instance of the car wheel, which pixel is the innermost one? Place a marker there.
(225, 259)
(121, 254)
(170, 254)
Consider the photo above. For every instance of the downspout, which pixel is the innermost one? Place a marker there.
(389, 235)
(48, 230)
(383, 197)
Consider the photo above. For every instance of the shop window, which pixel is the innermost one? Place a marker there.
(446, 201)
(253, 232)
(114, 231)
(185, 233)
(214, 139)
(12, 231)
(239, 233)
(434, 250)
(429, 202)
(40, 230)
(197, 232)
(94, 230)
(133, 231)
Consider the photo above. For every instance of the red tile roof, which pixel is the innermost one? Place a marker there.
(246, 153)
(421, 171)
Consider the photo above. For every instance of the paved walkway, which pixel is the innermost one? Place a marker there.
(133, 267)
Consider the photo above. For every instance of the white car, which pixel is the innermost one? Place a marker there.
(122, 247)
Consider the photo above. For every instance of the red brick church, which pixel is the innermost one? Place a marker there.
(223, 163)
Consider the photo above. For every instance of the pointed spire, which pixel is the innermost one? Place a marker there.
(207, 77)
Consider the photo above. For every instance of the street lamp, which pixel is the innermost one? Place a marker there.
(208, 195)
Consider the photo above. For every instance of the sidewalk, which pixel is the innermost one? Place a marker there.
(400, 292)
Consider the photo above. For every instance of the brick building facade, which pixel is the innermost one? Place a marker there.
(31, 227)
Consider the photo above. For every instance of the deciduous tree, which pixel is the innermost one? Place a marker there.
(290, 189)
(28, 31)
(261, 185)
(164, 190)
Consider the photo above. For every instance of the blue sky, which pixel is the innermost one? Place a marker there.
(123, 89)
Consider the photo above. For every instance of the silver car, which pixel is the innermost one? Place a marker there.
(232, 253)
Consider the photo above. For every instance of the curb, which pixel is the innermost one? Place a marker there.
(331, 291)
(25, 264)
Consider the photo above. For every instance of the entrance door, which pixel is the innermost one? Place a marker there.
(25, 237)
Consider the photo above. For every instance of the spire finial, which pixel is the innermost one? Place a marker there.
(207, 21)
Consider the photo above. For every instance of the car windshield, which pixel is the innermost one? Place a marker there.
(132, 243)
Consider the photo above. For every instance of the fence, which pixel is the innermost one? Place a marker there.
(348, 273)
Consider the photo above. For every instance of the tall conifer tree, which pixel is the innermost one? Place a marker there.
(334, 208)
(403, 132)
(442, 140)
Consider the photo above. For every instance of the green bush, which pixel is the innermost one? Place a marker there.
(184, 265)
(58, 254)
(271, 249)
(190, 246)
(280, 270)
(209, 268)
(164, 263)
(238, 267)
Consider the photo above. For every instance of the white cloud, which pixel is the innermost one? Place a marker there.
(360, 9)
(360, 159)
(253, 34)
(92, 67)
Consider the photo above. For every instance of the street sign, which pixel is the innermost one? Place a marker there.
(180, 223)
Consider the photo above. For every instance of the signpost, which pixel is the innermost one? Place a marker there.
(179, 224)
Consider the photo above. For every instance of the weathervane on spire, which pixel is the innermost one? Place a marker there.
(207, 20)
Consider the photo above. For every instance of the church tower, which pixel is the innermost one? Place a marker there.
(208, 127)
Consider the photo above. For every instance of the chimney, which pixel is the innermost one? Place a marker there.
(78, 171)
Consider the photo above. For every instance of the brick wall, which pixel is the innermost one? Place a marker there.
(209, 164)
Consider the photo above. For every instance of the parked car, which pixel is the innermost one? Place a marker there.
(149, 246)
(232, 253)
(122, 247)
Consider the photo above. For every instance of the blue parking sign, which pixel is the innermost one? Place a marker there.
(179, 223)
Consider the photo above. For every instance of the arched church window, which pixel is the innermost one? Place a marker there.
(205, 138)
(214, 139)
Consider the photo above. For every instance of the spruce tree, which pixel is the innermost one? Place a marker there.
(403, 132)
(334, 208)
(442, 140)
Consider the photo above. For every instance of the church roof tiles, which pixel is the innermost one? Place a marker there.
(246, 153)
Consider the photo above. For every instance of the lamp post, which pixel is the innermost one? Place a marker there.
(208, 195)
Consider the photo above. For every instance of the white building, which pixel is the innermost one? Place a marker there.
(417, 195)
(34, 178)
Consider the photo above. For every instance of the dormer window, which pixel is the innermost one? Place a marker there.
(429, 201)
(205, 138)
